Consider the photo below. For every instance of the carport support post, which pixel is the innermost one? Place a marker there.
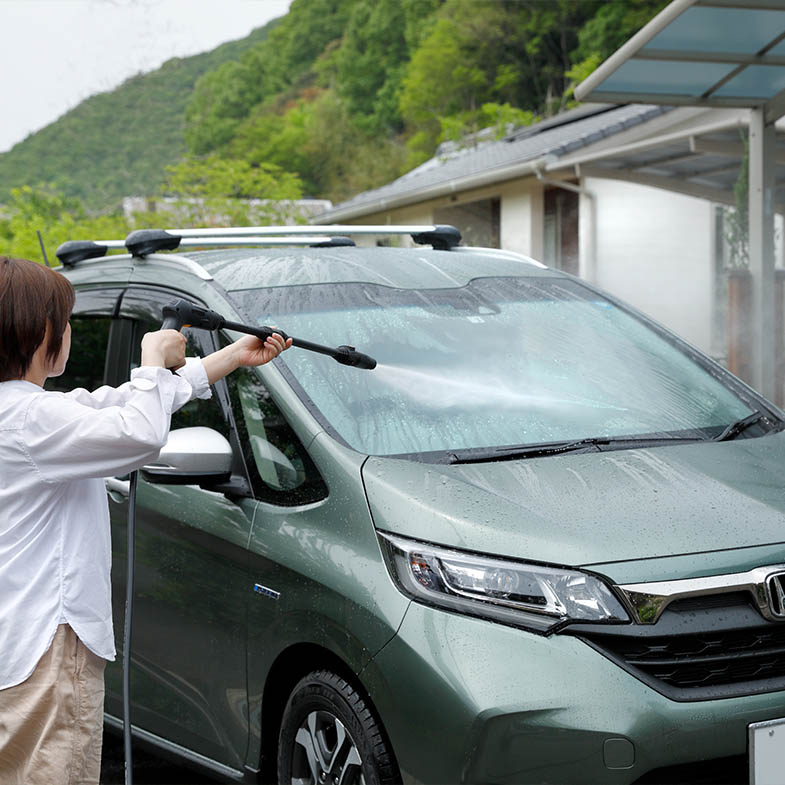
(761, 249)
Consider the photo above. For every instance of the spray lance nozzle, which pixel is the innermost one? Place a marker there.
(348, 355)
(181, 313)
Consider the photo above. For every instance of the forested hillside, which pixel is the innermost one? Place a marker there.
(336, 97)
(350, 93)
(117, 144)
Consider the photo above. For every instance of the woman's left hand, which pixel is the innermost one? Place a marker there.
(250, 350)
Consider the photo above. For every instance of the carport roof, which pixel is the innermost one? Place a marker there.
(716, 53)
(702, 160)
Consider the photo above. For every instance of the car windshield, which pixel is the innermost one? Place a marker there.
(500, 361)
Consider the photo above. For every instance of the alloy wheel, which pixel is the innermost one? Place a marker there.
(324, 753)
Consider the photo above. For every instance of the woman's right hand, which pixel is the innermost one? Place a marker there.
(164, 348)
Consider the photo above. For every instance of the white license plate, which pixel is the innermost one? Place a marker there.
(767, 752)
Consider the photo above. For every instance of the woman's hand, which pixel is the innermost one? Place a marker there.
(164, 348)
(250, 350)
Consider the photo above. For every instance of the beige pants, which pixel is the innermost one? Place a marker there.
(51, 725)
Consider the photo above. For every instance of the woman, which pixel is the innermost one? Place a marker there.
(55, 556)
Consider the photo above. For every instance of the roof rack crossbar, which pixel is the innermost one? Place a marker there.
(143, 242)
(196, 242)
(331, 229)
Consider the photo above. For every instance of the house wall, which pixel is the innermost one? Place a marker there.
(655, 250)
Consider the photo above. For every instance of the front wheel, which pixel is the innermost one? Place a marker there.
(330, 737)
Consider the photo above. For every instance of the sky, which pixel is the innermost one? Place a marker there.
(56, 53)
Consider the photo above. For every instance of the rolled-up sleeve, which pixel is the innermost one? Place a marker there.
(111, 431)
(193, 372)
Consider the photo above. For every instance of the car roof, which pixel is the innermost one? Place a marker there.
(405, 268)
(238, 269)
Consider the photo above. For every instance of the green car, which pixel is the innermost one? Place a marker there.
(542, 541)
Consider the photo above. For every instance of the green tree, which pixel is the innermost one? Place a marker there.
(221, 101)
(488, 52)
(281, 139)
(371, 60)
(225, 97)
(216, 191)
(614, 22)
(57, 217)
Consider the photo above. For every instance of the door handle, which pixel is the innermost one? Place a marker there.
(117, 487)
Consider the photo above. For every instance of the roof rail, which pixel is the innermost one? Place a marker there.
(501, 253)
(143, 242)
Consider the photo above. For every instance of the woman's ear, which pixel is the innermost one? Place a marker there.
(58, 366)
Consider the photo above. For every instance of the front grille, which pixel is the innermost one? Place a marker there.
(706, 659)
(700, 650)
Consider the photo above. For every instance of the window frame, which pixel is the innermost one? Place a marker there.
(102, 302)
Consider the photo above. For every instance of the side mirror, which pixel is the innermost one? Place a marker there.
(192, 456)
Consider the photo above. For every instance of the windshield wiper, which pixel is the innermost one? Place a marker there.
(556, 448)
(737, 428)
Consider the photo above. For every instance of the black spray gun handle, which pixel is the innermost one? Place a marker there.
(181, 313)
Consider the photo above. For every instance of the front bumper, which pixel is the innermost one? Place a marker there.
(466, 700)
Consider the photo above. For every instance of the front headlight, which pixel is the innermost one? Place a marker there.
(524, 595)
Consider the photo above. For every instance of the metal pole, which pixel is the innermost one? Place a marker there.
(761, 249)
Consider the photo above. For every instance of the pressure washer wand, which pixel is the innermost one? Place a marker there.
(181, 313)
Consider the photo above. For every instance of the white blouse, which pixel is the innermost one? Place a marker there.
(55, 549)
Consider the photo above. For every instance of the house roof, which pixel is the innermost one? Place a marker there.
(491, 160)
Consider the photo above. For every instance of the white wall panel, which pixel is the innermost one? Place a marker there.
(654, 250)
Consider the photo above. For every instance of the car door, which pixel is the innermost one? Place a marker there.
(188, 667)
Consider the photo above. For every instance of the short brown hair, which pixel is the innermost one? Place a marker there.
(31, 296)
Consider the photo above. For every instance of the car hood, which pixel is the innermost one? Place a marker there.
(591, 508)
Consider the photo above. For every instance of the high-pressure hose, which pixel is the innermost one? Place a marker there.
(179, 314)
(129, 604)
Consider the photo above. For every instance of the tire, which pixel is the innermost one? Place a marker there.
(329, 736)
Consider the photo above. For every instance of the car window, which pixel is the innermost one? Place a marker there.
(500, 361)
(143, 307)
(91, 323)
(205, 412)
(280, 468)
